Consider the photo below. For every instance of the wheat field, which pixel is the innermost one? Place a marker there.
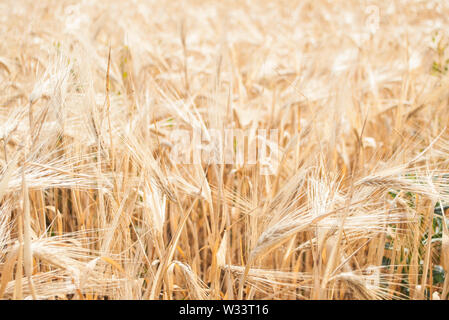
(348, 203)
